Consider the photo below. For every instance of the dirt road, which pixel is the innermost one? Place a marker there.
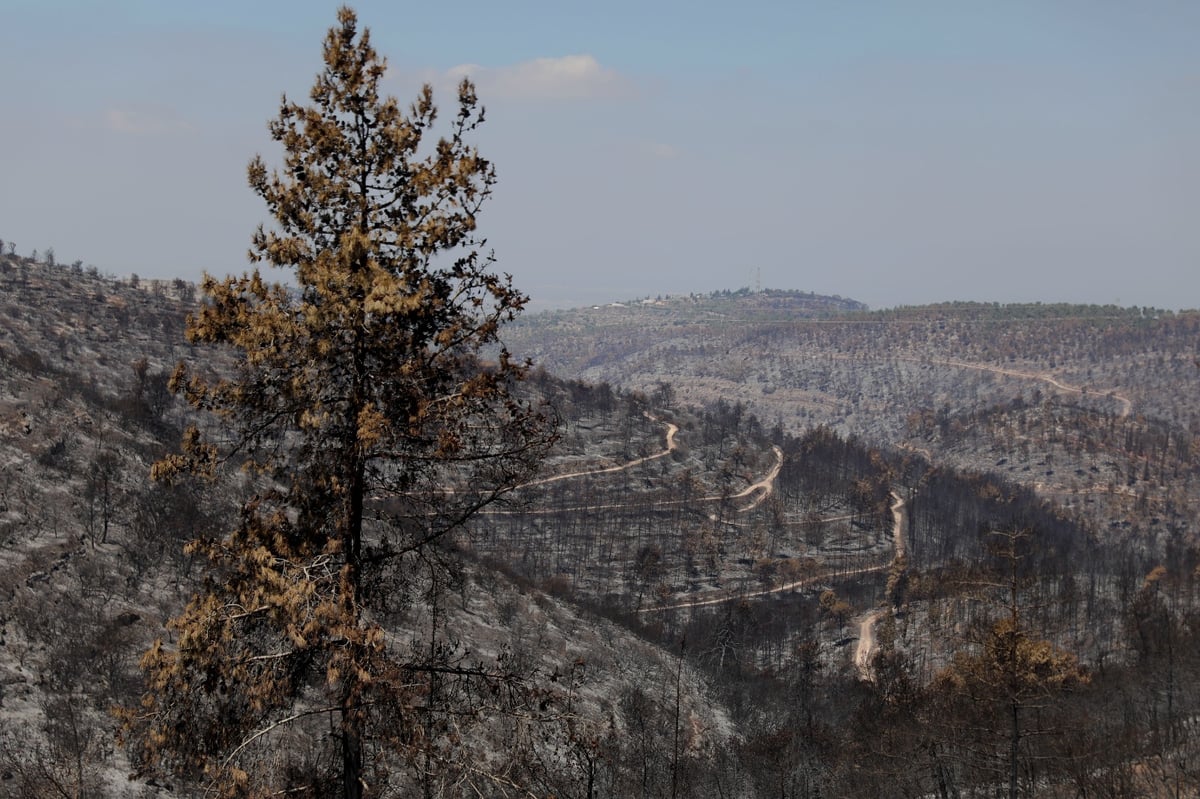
(672, 430)
(1124, 402)
(899, 516)
(866, 625)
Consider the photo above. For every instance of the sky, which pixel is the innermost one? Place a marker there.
(892, 152)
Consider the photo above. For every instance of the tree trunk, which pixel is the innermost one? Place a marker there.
(352, 759)
(352, 718)
(1014, 748)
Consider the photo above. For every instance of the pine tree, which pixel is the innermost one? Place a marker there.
(1013, 673)
(370, 429)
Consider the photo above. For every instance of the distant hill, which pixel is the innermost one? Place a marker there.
(919, 377)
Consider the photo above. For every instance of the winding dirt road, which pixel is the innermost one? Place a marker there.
(866, 625)
(761, 490)
(724, 597)
(672, 430)
(765, 487)
(1125, 403)
(899, 515)
(866, 644)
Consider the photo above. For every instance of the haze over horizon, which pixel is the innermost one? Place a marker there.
(1022, 151)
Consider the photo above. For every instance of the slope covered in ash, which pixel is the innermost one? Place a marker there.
(92, 565)
(1091, 405)
(706, 603)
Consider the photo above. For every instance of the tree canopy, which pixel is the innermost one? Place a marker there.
(371, 426)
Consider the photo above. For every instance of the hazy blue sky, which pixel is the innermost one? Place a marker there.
(898, 152)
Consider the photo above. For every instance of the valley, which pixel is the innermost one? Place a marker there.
(765, 548)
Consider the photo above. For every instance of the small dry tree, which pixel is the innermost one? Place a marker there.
(371, 428)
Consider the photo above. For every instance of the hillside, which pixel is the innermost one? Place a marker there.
(1091, 405)
(92, 561)
(703, 595)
